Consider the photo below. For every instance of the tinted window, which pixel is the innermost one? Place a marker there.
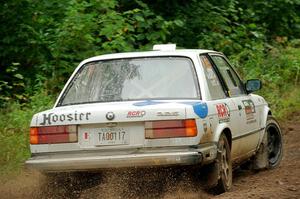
(133, 79)
(232, 80)
(213, 82)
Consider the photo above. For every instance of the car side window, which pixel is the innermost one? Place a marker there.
(235, 87)
(213, 82)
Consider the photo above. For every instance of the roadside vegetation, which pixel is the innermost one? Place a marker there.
(41, 42)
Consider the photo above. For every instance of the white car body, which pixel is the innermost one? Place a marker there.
(242, 118)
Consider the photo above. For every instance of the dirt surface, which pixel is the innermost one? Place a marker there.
(167, 183)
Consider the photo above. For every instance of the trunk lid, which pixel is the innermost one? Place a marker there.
(114, 125)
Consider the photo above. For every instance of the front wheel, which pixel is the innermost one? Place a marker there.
(274, 144)
(270, 152)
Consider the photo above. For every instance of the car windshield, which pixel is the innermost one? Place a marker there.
(132, 79)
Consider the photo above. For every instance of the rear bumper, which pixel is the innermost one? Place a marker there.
(92, 160)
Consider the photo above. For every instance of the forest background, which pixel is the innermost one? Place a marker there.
(42, 41)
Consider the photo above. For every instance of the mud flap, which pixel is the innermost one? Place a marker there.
(261, 160)
(213, 174)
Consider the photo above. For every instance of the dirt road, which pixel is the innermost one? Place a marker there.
(282, 182)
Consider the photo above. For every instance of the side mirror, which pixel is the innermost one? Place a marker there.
(253, 85)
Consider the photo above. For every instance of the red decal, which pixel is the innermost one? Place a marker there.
(136, 114)
(223, 112)
(86, 135)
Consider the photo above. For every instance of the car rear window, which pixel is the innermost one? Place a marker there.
(133, 79)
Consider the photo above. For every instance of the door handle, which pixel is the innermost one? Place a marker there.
(240, 107)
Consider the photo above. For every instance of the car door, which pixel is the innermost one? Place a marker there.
(217, 96)
(244, 142)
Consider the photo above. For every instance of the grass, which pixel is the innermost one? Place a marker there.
(285, 103)
(14, 132)
(279, 70)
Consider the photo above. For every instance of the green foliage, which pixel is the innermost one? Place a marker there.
(41, 42)
(13, 89)
(51, 38)
(230, 26)
(14, 131)
(279, 69)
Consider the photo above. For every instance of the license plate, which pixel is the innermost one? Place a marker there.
(112, 136)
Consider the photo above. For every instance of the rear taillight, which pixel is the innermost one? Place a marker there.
(170, 129)
(53, 134)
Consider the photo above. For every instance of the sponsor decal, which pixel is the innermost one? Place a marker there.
(223, 112)
(187, 103)
(51, 118)
(133, 114)
(167, 113)
(249, 111)
(207, 135)
(201, 109)
(86, 136)
(148, 103)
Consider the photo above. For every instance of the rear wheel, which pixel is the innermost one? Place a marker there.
(222, 169)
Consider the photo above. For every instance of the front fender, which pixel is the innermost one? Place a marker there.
(266, 111)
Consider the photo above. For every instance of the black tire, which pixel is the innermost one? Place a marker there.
(274, 143)
(270, 152)
(223, 166)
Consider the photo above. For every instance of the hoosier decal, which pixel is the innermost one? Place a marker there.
(50, 118)
(223, 112)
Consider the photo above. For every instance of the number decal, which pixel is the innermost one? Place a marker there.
(112, 136)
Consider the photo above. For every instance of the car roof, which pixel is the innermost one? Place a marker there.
(179, 52)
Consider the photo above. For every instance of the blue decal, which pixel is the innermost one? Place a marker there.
(201, 109)
(147, 103)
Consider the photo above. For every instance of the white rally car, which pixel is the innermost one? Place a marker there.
(159, 108)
